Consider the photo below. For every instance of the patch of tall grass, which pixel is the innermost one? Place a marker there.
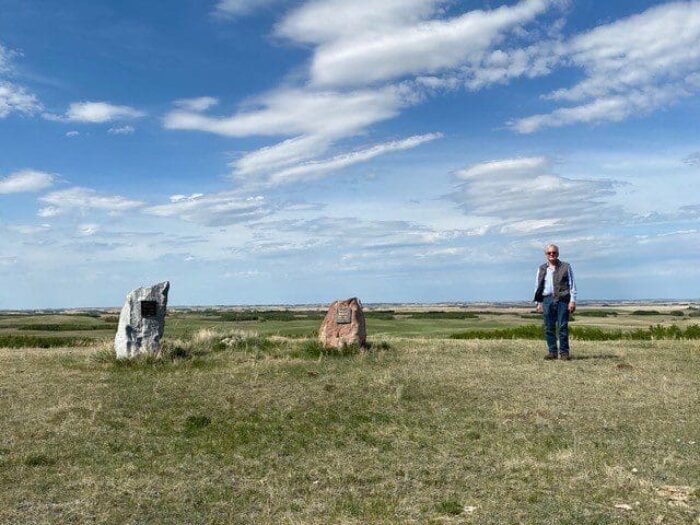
(56, 327)
(595, 313)
(443, 315)
(34, 341)
(205, 343)
(587, 333)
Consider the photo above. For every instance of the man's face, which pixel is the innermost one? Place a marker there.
(552, 254)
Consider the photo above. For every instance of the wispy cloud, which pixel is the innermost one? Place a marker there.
(196, 104)
(314, 120)
(360, 50)
(121, 130)
(96, 113)
(296, 111)
(379, 54)
(213, 210)
(632, 66)
(316, 169)
(523, 195)
(14, 98)
(84, 200)
(237, 8)
(693, 159)
(25, 181)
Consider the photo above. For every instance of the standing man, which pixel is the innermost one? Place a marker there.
(555, 295)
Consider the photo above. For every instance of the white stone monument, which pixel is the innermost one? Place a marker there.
(142, 321)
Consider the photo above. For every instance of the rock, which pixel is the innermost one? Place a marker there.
(142, 321)
(344, 324)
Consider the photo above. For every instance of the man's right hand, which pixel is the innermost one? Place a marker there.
(538, 308)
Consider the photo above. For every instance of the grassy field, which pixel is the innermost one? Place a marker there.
(403, 322)
(229, 427)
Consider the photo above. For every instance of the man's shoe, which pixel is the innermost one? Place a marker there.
(550, 355)
(564, 356)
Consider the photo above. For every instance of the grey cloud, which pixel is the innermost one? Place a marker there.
(693, 159)
(523, 196)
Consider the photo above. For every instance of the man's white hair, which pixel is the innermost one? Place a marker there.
(551, 246)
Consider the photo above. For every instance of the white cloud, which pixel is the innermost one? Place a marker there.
(98, 113)
(15, 98)
(383, 47)
(298, 111)
(508, 167)
(323, 21)
(25, 181)
(523, 195)
(88, 230)
(48, 212)
(72, 133)
(121, 130)
(632, 66)
(315, 169)
(269, 158)
(213, 210)
(313, 119)
(84, 200)
(359, 43)
(237, 8)
(4, 60)
(29, 229)
(196, 104)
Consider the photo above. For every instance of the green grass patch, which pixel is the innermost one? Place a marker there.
(442, 315)
(583, 312)
(432, 431)
(38, 460)
(35, 341)
(60, 327)
(587, 333)
(263, 315)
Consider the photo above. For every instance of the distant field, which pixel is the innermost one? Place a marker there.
(251, 422)
(405, 322)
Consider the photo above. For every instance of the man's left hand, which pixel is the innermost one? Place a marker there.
(572, 307)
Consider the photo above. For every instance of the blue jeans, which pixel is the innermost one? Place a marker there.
(556, 315)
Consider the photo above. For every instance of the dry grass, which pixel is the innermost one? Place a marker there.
(427, 431)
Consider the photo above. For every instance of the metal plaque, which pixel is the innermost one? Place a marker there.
(343, 315)
(149, 308)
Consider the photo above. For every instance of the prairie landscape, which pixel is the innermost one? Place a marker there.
(449, 416)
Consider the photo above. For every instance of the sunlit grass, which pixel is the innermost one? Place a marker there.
(237, 427)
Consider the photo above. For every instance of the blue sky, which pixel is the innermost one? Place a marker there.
(281, 151)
